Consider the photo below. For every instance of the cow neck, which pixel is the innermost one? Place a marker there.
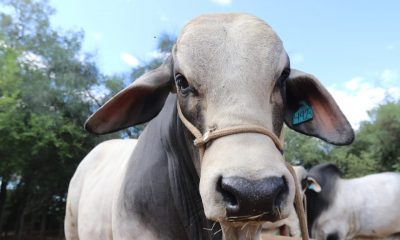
(183, 177)
(319, 202)
(201, 141)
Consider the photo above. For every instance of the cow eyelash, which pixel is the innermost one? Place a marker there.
(284, 75)
(183, 84)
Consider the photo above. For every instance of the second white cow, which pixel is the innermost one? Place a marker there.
(348, 208)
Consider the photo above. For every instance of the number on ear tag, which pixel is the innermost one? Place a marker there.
(305, 113)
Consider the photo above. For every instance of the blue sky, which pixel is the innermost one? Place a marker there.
(353, 47)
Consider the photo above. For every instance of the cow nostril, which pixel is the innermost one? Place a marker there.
(262, 198)
(282, 193)
(231, 202)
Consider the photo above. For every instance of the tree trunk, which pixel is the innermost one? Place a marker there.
(43, 223)
(21, 222)
(61, 234)
(30, 228)
(3, 198)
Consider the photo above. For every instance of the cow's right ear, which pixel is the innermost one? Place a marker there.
(137, 103)
(313, 185)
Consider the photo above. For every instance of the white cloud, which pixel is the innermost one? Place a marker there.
(359, 97)
(222, 2)
(129, 59)
(389, 75)
(156, 54)
(354, 83)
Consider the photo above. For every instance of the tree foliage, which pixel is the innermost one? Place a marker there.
(376, 147)
(45, 87)
(48, 88)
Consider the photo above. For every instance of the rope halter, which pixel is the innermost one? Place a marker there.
(201, 140)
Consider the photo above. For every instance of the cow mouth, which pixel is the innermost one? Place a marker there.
(241, 231)
(262, 217)
(248, 227)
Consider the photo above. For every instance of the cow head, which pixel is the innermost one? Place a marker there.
(230, 70)
(322, 177)
(321, 190)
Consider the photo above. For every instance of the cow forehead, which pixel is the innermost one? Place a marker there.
(227, 47)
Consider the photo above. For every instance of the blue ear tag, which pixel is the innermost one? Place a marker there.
(305, 113)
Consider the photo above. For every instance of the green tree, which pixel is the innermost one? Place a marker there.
(48, 88)
(10, 118)
(377, 143)
(305, 150)
(46, 94)
(376, 147)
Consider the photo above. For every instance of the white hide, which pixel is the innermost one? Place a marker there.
(366, 206)
(99, 177)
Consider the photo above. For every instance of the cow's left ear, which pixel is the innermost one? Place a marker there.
(313, 185)
(311, 110)
(137, 103)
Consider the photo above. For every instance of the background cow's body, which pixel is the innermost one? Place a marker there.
(365, 206)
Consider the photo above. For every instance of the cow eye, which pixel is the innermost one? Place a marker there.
(182, 84)
(284, 75)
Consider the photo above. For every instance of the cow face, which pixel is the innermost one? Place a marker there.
(231, 70)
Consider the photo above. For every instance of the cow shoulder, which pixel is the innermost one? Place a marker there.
(93, 187)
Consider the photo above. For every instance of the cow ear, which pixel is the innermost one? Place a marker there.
(311, 110)
(313, 185)
(137, 103)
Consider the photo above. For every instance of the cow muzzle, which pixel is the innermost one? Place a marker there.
(254, 200)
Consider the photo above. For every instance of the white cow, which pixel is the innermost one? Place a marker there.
(341, 209)
(211, 151)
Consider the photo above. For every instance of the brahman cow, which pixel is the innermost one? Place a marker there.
(228, 74)
(347, 208)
